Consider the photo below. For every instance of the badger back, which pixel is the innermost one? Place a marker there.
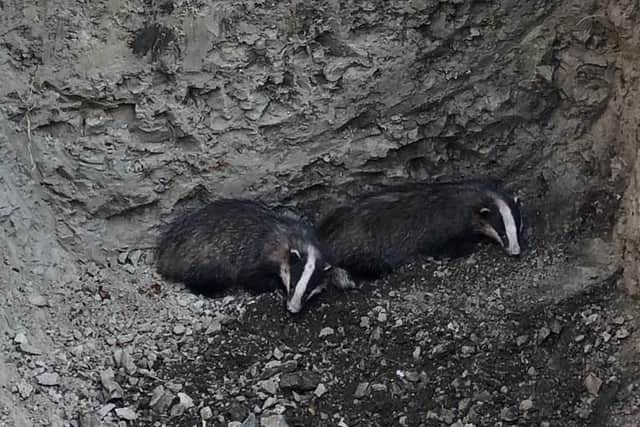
(213, 244)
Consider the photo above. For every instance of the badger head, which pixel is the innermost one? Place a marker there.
(498, 217)
(301, 266)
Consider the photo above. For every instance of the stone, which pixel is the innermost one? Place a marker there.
(270, 385)
(250, 421)
(592, 383)
(622, 333)
(105, 409)
(324, 332)
(29, 349)
(526, 405)
(206, 413)
(214, 327)
(24, 389)
(361, 390)
(179, 329)
(543, 334)
(111, 387)
(126, 414)
(320, 390)
(20, 338)
(300, 381)
(509, 413)
(48, 379)
(38, 300)
(273, 421)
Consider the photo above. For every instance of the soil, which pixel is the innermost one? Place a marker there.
(482, 340)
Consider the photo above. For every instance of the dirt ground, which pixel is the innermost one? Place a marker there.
(484, 340)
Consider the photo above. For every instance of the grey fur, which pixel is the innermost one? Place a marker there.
(232, 242)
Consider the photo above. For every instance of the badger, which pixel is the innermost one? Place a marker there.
(382, 230)
(243, 243)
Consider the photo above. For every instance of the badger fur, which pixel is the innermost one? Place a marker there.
(380, 231)
(232, 242)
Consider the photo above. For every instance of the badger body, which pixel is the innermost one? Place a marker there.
(234, 242)
(380, 231)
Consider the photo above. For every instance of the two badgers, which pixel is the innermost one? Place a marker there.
(380, 231)
(243, 243)
(246, 243)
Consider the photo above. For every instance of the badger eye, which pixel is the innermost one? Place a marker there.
(294, 256)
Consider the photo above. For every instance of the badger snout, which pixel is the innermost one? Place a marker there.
(513, 251)
(294, 308)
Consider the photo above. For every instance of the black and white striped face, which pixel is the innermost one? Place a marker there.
(501, 220)
(303, 276)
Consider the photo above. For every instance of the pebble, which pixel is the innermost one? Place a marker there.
(521, 340)
(592, 383)
(179, 329)
(365, 322)
(378, 387)
(47, 379)
(20, 338)
(112, 388)
(250, 421)
(126, 414)
(105, 409)
(416, 353)
(361, 390)
(270, 385)
(277, 353)
(622, 333)
(299, 381)
(89, 420)
(468, 349)
(556, 327)
(214, 327)
(320, 390)
(509, 413)
(125, 338)
(526, 405)
(619, 320)
(24, 389)
(579, 338)
(29, 349)
(38, 300)
(543, 334)
(326, 332)
(206, 413)
(532, 371)
(269, 402)
(382, 317)
(273, 421)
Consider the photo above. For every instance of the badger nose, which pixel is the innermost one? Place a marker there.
(293, 308)
(513, 251)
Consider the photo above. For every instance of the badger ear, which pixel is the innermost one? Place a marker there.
(294, 255)
(327, 267)
(484, 211)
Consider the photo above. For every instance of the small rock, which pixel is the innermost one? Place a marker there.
(412, 376)
(38, 300)
(277, 353)
(89, 420)
(326, 332)
(29, 349)
(214, 327)
(112, 389)
(504, 389)
(526, 405)
(179, 329)
(206, 413)
(300, 381)
(378, 387)
(128, 364)
(126, 414)
(382, 317)
(47, 379)
(619, 320)
(25, 389)
(468, 349)
(543, 334)
(273, 421)
(320, 390)
(592, 383)
(250, 421)
(361, 390)
(622, 333)
(185, 400)
(365, 322)
(125, 338)
(556, 327)
(606, 336)
(376, 334)
(509, 413)
(579, 338)
(269, 402)
(483, 396)
(521, 340)
(532, 371)
(416, 353)
(270, 385)
(20, 338)
(105, 409)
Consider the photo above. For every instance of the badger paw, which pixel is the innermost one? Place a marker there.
(341, 279)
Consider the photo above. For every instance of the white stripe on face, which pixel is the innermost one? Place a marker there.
(294, 305)
(513, 247)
